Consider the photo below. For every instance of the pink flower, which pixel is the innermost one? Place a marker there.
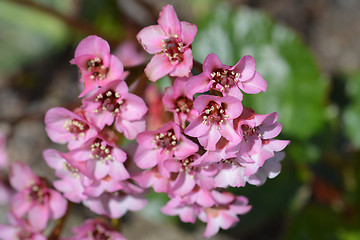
(224, 214)
(116, 204)
(34, 199)
(9, 232)
(179, 102)
(254, 127)
(102, 158)
(227, 79)
(97, 228)
(215, 120)
(165, 143)
(98, 67)
(73, 180)
(64, 126)
(115, 102)
(170, 41)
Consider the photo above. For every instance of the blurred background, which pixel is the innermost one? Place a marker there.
(308, 52)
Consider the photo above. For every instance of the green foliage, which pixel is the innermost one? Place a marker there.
(351, 115)
(26, 35)
(296, 88)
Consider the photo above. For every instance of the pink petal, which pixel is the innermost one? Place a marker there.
(57, 204)
(196, 128)
(202, 101)
(21, 176)
(101, 169)
(92, 45)
(158, 67)
(145, 158)
(188, 32)
(134, 109)
(254, 85)
(234, 106)
(151, 39)
(38, 216)
(130, 128)
(212, 138)
(19, 204)
(169, 21)
(245, 66)
(228, 132)
(116, 70)
(197, 84)
(118, 171)
(211, 63)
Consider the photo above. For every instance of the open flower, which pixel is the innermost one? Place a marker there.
(227, 79)
(165, 143)
(170, 41)
(215, 120)
(115, 102)
(98, 67)
(34, 199)
(179, 102)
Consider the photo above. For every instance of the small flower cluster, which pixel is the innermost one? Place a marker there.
(93, 171)
(212, 142)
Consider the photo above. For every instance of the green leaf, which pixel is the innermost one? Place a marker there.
(26, 35)
(352, 112)
(296, 89)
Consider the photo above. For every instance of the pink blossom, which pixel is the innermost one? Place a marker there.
(102, 157)
(270, 169)
(152, 178)
(116, 204)
(253, 162)
(73, 180)
(215, 120)
(165, 143)
(97, 228)
(227, 79)
(189, 176)
(178, 206)
(98, 67)
(10, 232)
(224, 214)
(179, 102)
(170, 41)
(64, 126)
(254, 127)
(115, 102)
(33, 198)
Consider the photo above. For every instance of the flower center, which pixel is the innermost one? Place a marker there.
(100, 150)
(97, 68)
(36, 193)
(172, 47)
(214, 114)
(167, 141)
(24, 235)
(226, 79)
(186, 165)
(249, 131)
(99, 234)
(110, 101)
(183, 104)
(76, 127)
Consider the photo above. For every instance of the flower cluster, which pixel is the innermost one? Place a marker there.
(213, 141)
(207, 143)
